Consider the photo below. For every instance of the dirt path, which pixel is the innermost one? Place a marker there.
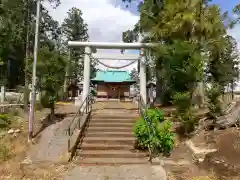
(52, 143)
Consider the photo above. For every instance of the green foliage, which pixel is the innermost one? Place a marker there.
(179, 62)
(183, 66)
(5, 153)
(166, 137)
(75, 29)
(17, 22)
(223, 65)
(50, 73)
(214, 104)
(5, 120)
(155, 115)
(184, 113)
(158, 135)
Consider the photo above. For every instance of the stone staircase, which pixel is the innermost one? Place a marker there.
(109, 140)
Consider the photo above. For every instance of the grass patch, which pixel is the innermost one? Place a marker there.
(5, 121)
(5, 153)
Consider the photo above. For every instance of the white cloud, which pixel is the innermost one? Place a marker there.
(106, 22)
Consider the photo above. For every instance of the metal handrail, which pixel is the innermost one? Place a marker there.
(143, 107)
(86, 109)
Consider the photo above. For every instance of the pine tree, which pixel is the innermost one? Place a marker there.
(75, 29)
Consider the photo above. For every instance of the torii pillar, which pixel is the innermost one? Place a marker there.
(142, 74)
(86, 73)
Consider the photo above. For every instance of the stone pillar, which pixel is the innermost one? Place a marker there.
(2, 97)
(143, 80)
(86, 76)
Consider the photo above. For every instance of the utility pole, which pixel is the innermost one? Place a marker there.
(65, 86)
(32, 103)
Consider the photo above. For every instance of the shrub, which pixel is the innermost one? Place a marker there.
(141, 132)
(5, 120)
(214, 104)
(166, 136)
(184, 113)
(157, 134)
(155, 115)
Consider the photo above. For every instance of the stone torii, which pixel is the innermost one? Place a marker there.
(92, 46)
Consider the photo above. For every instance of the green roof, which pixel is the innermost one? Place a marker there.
(113, 76)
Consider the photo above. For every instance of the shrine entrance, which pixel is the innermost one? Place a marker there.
(113, 84)
(91, 47)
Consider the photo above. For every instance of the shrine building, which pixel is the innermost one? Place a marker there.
(112, 84)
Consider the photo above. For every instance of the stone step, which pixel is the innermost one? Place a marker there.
(110, 124)
(112, 161)
(109, 129)
(115, 116)
(110, 140)
(111, 154)
(116, 120)
(95, 146)
(109, 134)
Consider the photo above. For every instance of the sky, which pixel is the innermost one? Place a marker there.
(107, 19)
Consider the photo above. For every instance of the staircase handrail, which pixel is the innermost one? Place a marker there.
(85, 107)
(143, 107)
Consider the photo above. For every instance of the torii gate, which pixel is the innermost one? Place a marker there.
(92, 46)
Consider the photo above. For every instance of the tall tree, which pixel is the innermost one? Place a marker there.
(50, 72)
(75, 29)
(17, 39)
(166, 22)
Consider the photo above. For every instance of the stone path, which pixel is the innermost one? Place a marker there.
(52, 145)
(126, 172)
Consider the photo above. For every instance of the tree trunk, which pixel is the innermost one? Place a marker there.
(52, 113)
(26, 90)
(159, 84)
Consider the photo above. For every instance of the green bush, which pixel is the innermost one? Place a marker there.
(157, 134)
(5, 120)
(155, 115)
(184, 112)
(214, 104)
(166, 136)
(47, 101)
